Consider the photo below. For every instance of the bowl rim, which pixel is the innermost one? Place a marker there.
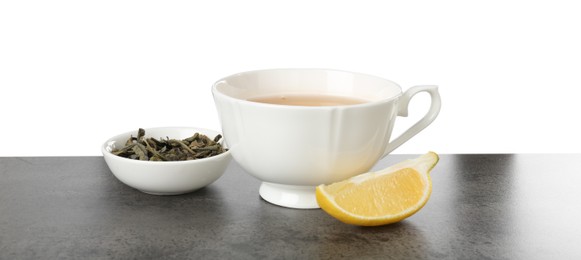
(107, 153)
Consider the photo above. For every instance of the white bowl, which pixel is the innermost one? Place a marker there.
(165, 178)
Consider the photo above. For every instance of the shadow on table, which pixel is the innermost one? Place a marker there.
(384, 242)
(277, 232)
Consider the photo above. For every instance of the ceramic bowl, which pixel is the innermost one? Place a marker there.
(165, 178)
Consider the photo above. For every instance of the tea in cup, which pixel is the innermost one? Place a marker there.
(294, 129)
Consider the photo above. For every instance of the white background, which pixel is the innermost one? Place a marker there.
(74, 73)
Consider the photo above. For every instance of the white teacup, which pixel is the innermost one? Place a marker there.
(292, 149)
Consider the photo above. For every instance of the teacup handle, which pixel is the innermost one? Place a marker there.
(404, 101)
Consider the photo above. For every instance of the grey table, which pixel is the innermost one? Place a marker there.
(482, 207)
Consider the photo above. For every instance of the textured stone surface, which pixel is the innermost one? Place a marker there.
(482, 207)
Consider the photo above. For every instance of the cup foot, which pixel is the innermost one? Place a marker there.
(290, 196)
(164, 193)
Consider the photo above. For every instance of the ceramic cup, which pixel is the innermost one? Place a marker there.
(292, 149)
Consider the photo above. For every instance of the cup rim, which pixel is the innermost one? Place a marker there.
(366, 104)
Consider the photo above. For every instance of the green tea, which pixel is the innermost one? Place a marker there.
(198, 146)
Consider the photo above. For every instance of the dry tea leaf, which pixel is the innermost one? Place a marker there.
(198, 146)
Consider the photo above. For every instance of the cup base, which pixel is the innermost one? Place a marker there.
(290, 196)
(165, 193)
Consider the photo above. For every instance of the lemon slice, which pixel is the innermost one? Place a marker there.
(381, 197)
